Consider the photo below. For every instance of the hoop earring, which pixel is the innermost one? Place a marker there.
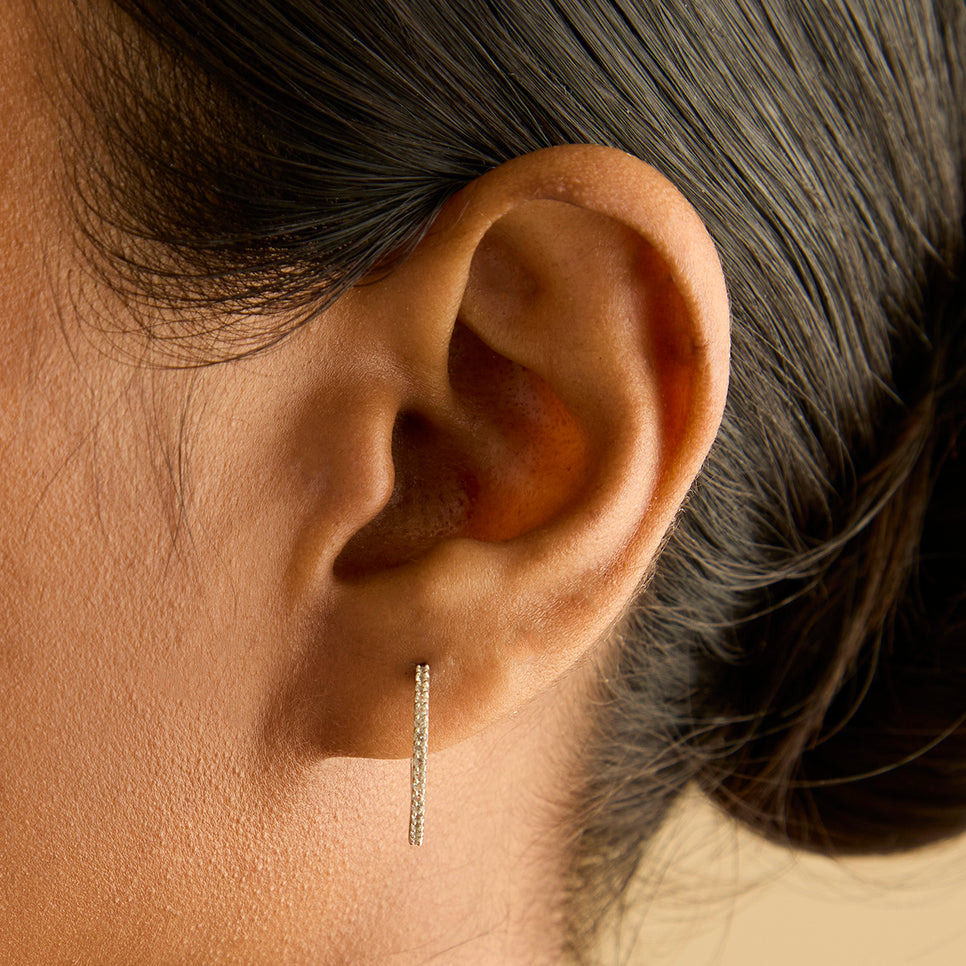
(417, 812)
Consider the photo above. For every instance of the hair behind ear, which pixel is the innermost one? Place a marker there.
(860, 743)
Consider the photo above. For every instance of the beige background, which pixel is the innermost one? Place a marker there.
(727, 899)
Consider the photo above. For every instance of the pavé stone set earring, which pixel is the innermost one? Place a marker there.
(417, 811)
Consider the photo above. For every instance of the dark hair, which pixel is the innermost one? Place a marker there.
(799, 652)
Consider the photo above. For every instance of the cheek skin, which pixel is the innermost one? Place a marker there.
(144, 816)
(138, 822)
(137, 811)
(140, 819)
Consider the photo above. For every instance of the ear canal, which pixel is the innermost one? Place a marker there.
(432, 497)
(502, 459)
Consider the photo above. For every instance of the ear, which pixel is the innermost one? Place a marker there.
(537, 387)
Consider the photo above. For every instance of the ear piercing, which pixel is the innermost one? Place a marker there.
(417, 812)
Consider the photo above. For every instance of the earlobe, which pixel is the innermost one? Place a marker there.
(557, 351)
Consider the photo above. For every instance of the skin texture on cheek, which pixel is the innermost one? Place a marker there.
(137, 821)
(130, 676)
(133, 673)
